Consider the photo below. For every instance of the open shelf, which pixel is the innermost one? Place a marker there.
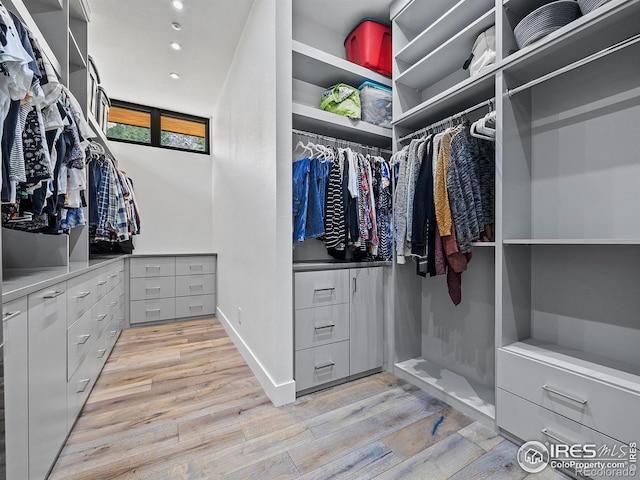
(321, 68)
(446, 59)
(312, 119)
(455, 19)
(418, 16)
(470, 397)
(79, 9)
(41, 6)
(76, 58)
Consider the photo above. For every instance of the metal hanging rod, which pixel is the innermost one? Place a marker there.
(439, 123)
(572, 66)
(340, 141)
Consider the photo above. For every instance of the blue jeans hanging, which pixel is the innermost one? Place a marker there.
(318, 177)
(300, 198)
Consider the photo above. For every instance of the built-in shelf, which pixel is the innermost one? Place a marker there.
(484, 244)
(600, 28)
(463, 13)
(101, 138)
(41, 6)
(470, 397)
(572, 241)
(315, 66)
(79, 9)
(447, 58)
(76, 58)
(463, 95)
(313, 119)
(420, 15)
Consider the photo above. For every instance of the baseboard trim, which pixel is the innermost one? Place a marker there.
(279, 394)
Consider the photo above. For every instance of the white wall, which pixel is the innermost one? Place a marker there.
(174, 195)
(252, 198)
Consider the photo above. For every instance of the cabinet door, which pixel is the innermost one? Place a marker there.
(16, 388)
(47, 378)
(365, 319)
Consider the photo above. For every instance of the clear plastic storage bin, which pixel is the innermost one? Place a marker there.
(376, 104)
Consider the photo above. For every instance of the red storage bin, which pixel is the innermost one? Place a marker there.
(369, 45)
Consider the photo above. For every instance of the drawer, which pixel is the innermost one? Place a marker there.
(315, 289)
(101, 350)
(530, 422)
(321, 325)
(81, 337)
(113, 277)
(155, 287)
(143, 311)
(195, 265)
(100, 282)
(582, 399)
(111, 335)
(195, 285)
(195, 305)
(323, 364)
(80, 296)
(79, 386)
(101, 314)
(152, 267)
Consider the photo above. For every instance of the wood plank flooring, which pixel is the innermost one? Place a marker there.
(177, 401)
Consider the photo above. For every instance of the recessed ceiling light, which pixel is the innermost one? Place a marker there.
(175, 45)
(176, 26)
(175, 76)
(177, 4)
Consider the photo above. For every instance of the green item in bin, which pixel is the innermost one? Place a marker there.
(342, 99)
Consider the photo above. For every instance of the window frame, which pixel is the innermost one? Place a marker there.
(155, 126)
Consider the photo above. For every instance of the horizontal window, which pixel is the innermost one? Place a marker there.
(158, 128)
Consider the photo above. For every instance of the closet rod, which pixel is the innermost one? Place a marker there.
(572, 66)
(417, 133)
(339, 140)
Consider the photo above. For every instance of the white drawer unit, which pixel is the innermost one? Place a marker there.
(195, 265)
(195, 305)
(321, 325)
(153, 287)
(583, 399)
(81, 295)
(327, 287)
(81, 336)
(322, 364)
(143, 311)
(195, 285)
(152, 267)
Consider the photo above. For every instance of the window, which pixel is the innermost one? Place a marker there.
(143, 125)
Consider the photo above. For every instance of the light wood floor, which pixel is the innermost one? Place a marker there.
(178, 402)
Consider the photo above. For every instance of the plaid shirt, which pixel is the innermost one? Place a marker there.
(112, 211)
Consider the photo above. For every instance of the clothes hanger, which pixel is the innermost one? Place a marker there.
(304, 148)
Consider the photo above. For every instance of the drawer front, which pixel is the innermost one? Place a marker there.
(321, 325)
(584, 400)
(101, 350)
(530, 422)
(111, 335)
(143, 311)
(149, 288)
(316, 289)
(81, 295)
(323, 364)
(195, 285)
(81, 337)
(153, 267)
(100, 280)
(101, 314)
(113, 277)
(196, 265)
(195, 305)
(79, 386)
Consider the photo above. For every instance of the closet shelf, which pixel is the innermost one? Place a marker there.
(101, 138)
(321, 68)
(468, 396)
(484, 244)
(455, 19)
(41, 6)
(572, 241)
(446, 59)
(419, 16)
(80, 10)
(76, 58)
(601, 28)
(312, 119)
(471, 91)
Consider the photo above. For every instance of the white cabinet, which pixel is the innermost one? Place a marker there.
(47, 377)
(338, 325)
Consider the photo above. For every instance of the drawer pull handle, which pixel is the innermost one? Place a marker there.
(10, 315)
(191, 307)
(199, 287)
(82, 385)
(101, 317)
(328, 289)
(53, 294)
(113, 304)
(326, 365)
(198, 266)
(113, 333)
(564, 395)
(101, 352)
(153, 267)
(113, 275)
(554, 437)
(83, 294)
(325, 326)
(155, 310)
(153, 288)
(82, 339)
(102, 282)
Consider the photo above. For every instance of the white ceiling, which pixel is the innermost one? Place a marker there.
(129, 42)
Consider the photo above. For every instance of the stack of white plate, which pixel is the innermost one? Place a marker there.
(587, 5)
(545, 20)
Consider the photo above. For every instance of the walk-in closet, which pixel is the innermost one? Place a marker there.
(319, 239)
